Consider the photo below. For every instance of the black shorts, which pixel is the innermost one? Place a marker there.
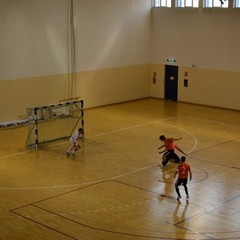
(167, 156)
(181, 181)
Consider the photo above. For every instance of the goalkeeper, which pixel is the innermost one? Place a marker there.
(74, 141)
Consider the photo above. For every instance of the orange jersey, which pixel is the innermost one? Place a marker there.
(183, 170)
(169, 144)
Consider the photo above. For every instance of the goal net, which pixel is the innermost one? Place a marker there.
(37, 40)
(48, 123)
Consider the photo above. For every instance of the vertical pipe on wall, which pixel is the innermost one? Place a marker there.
(72, 51)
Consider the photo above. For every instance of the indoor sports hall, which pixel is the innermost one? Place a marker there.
(126, 72)
(114, 187)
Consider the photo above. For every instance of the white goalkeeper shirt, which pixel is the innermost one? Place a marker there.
(76, 136)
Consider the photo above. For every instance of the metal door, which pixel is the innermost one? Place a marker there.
(171, 83)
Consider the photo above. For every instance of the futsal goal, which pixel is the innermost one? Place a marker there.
(53, 122)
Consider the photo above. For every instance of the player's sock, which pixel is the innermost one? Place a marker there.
(68, 153)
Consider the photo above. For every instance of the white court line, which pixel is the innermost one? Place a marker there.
(81, 184)
(121, 175)
(213, 121)
(195, 140)
(106, 179)
(15, 154)
(97, 135)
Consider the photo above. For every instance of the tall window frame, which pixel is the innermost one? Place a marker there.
(162, 3)
(216, 3)
(236, 4)
(195, 3)
(187, 3)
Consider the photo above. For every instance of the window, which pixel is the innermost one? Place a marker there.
(187, 3)
(195, 3)
(162, 3)
(236, 4)
(216, 3)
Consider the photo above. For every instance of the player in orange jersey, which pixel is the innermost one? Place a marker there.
(168, 152)
(183, 170)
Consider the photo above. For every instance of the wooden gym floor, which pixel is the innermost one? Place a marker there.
(114, 188)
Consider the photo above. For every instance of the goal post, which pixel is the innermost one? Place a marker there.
(53, 122)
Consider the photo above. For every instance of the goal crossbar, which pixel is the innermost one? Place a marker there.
(53, 122)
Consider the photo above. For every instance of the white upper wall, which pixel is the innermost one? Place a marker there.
(112, 33)
(207, 38)
(35, 36)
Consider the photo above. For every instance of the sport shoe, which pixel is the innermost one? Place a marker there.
(179, 197)
(68, 153)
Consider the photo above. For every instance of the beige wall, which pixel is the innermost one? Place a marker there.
(119, 44)
(19, 94)
(113, 53)
(97, 87)
(205, 43)
(207, 87)
(209, 39)
(107, 86)
(210, 87)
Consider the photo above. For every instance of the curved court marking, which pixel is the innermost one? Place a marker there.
(96, 135)
(81, 184)
(105, 179)
(214, 121)
(182, 129)
(191, 233)
(127, 173)
(133, 204)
